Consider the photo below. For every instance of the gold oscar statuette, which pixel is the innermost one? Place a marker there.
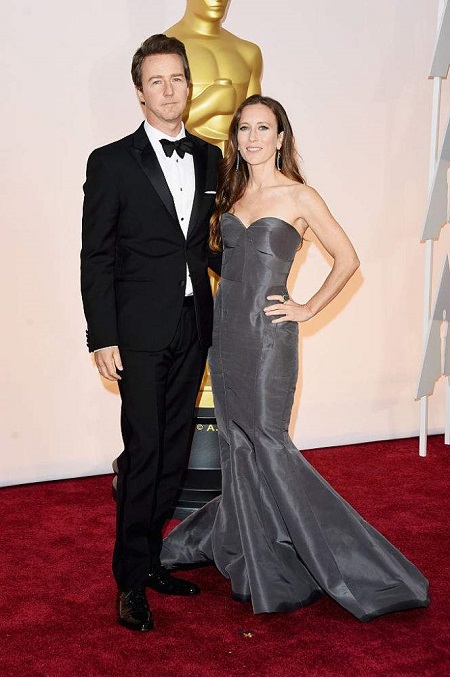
(225, 70)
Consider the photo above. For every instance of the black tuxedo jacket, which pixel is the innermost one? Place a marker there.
(134, 253)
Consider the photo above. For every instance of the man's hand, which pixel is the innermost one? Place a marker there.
(108, 362)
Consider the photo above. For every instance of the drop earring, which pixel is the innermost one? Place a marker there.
(238, 161)
(278, 160)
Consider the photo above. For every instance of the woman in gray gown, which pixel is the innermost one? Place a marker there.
(279, 531)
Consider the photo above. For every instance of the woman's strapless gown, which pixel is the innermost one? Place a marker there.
(279, 531)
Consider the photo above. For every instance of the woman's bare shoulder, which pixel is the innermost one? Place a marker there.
(303, 193)
(307, 199)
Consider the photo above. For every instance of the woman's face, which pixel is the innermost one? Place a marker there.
(257, 137)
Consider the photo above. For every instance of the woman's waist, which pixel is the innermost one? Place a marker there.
(254, 280)
(254, 291)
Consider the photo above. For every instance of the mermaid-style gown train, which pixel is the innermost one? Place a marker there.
(279, 531)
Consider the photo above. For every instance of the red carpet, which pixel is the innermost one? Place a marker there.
(57, 603)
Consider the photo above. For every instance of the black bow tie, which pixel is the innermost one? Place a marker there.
(181, 146)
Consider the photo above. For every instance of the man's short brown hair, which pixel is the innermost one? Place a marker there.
(158, 44)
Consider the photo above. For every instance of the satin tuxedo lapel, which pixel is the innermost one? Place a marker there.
(145, 156)
(200, 181)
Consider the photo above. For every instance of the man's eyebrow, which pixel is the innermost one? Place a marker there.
(172, 75)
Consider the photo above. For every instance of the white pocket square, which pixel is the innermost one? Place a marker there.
(210, 192)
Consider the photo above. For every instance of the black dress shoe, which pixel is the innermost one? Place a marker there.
(159, 579)
(133, 611)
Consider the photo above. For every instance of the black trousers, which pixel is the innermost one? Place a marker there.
(158, 391)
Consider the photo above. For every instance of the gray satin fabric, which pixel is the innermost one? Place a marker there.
(279, 531)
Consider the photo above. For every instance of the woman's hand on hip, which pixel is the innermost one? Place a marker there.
(286, 310)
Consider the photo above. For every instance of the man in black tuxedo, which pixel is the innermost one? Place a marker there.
(148, 305)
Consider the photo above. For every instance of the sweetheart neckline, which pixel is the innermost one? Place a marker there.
(261, 218)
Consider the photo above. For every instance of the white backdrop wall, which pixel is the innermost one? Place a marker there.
(353, 77)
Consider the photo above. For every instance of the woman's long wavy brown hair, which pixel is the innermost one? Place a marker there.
(232, 182)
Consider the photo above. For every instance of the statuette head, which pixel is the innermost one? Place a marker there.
(212, 10)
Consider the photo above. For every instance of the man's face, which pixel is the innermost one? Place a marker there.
(164, 89)
(212, 10)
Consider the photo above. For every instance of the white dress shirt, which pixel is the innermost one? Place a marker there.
(180, 176)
